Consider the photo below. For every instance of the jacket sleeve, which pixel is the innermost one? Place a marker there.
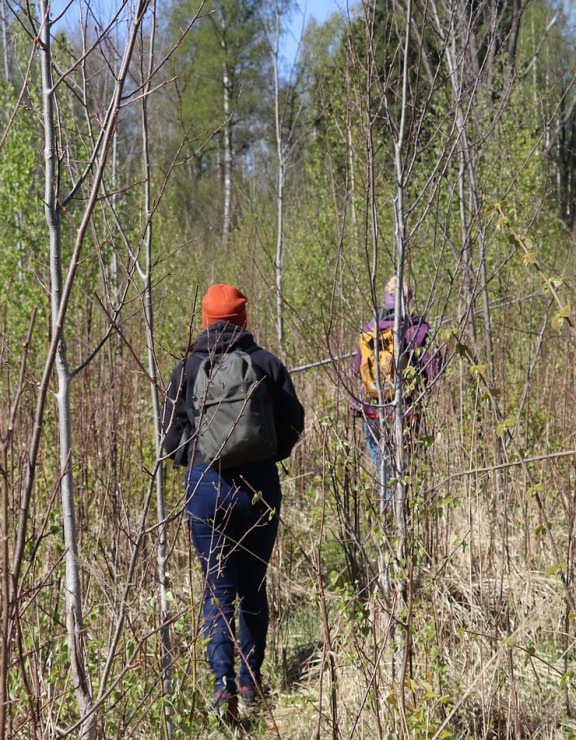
(288, 411)
(174, 417)
(429, 361)
(289, 415)
(359, 405)
(357, 359)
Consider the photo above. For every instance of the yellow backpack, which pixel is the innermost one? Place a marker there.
(378, 342)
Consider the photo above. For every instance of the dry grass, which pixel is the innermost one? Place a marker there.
(490, 583)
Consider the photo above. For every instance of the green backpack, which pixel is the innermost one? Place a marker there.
(233, 410)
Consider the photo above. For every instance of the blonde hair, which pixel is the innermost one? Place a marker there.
(391, 287)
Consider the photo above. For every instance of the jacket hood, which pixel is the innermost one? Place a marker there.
(385, 314)
(222, 336)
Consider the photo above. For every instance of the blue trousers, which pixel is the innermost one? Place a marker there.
(382, 449)
(379, 452)
(233, 517)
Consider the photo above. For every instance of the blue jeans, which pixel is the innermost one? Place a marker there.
(233, 532)
(380, 453)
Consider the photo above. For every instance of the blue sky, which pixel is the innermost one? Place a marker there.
(304, 10)
(319, 9)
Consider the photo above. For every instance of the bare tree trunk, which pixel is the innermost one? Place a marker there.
(468, 167)
(4, 32)
(467, 265)
(5, 586)
(5, 487)
(162, 548)
(114, 256)
(73, 595)
(372, 233)
(281, 178)
(470, 189)
(351, 181)
(399, 331)
(227, 163)
(56, 356)
(284, 133)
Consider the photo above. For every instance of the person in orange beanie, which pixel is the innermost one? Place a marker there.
(233, 506)
(223, 302)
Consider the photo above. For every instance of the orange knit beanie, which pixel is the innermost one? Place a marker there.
(223, 302)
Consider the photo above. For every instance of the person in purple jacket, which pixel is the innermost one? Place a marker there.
(378, 421)
(233, 512)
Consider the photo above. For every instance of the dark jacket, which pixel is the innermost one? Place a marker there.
(220, 337)
(415, 339)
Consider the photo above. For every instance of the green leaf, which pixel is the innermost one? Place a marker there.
(558, 320)
(566, 679)
(462, 350)
(477, 370)
(391, 699)
(530, 653)
(445, 335)
(411, 684)
(505, 424)
(444, 699)
(533, 490)
(529, 258)
(552, 570)
(497, 206)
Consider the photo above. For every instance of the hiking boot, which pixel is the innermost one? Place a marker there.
(249, 696)
(225, 704)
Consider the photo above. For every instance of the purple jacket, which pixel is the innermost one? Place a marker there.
(415, 337)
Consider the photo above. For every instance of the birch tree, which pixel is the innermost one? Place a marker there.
(285, 121)
(222, 89)
(62, 281)
(57, 200)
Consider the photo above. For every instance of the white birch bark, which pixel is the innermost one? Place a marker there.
(399, 330)
(73, 594)
(227, 143)
(162, 548)
(60, 293)
(284, 139)
(281, 176)
(4, 33)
